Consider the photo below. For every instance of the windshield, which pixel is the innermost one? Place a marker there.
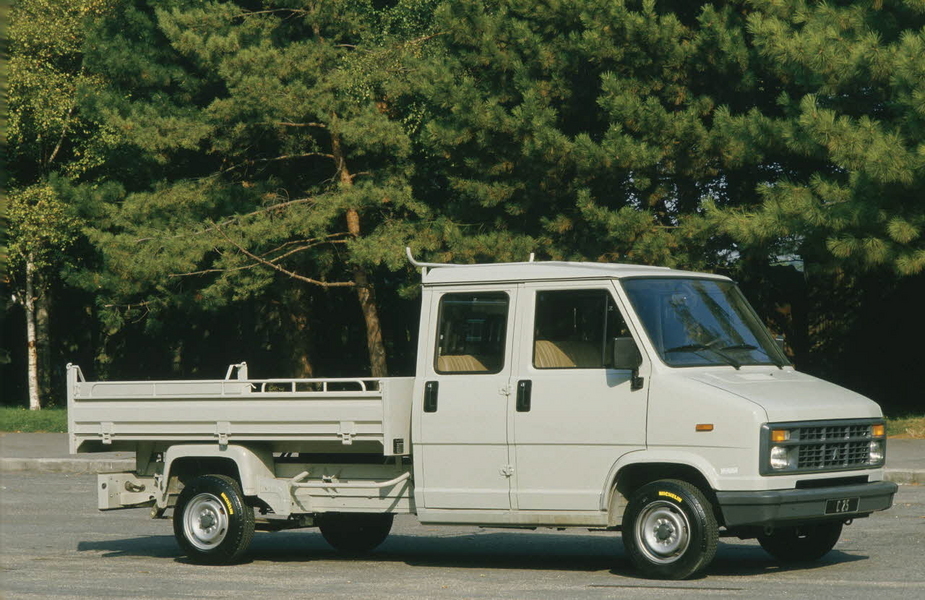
(699, 322)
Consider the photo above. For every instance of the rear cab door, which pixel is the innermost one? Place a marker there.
(461, 444)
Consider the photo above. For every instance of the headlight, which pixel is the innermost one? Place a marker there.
(876, 452)
(780, 457)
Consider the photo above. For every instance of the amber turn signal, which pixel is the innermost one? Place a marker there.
(704, 427)
(780, 435)
(878, 430)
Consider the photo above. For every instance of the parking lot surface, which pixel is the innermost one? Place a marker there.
(54, 543)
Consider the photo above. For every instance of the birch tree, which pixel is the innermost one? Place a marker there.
(47, 139)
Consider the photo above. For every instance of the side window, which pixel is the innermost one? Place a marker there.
(471, 333)
(575, 329)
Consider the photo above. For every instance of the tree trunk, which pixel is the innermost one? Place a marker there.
(367, 294)
(42, 336)
(31, 347)
(301, 334)
(364, 287)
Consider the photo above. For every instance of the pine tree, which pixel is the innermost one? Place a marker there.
(679, 133)
(841, 146)
(577, 129)
(737, 136)
(268, 149)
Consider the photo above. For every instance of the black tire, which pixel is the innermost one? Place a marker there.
(355, 533)
(801, 544)
(669, 530)
(211, 521)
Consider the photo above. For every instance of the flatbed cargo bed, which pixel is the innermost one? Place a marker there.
(287, 415)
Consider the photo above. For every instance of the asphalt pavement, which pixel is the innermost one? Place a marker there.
(48, 453)
(56, 544)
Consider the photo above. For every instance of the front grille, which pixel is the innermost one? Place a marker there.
(833, 455)
(835, 432)
(819, 446)
(832, 446)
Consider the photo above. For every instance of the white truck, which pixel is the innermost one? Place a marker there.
(638, 399)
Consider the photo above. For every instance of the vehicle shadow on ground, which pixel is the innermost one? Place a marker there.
(482, 550)
(742, 560)
(150, 546)
(479, 550)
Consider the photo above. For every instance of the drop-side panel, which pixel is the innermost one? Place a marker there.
(345, 414)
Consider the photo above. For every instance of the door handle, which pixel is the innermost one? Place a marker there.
(524, 389)
(430, 396)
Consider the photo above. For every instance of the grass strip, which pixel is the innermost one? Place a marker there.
(911, 426)
(23, 420)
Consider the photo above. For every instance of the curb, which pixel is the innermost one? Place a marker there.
(64, 465)
(905, 476)
(90, 466)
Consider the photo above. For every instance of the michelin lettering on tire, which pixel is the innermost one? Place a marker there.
(674, 497)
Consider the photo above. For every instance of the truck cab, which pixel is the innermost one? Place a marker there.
(619, 396)
(638, 399)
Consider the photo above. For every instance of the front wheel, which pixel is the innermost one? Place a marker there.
(211, 521)
(801, 544)
(355, 533)
(669, 530)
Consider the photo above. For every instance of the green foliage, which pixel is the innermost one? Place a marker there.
(46, 132)
(223, 153)
(21, 420)
(668, 132)
(849, 107)
(41, 228)
(579, 127)
(4, 79)
(48, 137)
(268, 150)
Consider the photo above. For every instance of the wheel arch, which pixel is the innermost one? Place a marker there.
(251, 467)
(632, 474)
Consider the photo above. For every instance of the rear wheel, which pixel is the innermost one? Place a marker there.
(669, 530)
(355, 533)
(211, 521)
(801, 544)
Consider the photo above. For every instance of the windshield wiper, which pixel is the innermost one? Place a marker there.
(700, 347)
(776, 362)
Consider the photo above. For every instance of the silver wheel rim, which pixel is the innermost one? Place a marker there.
(205, 521)
(663, 532)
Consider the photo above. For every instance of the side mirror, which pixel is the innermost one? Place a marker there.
(626, 356)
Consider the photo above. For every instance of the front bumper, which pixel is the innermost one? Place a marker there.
(779, 507)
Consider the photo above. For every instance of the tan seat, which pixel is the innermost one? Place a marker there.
(460, 363)
(566, 355)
